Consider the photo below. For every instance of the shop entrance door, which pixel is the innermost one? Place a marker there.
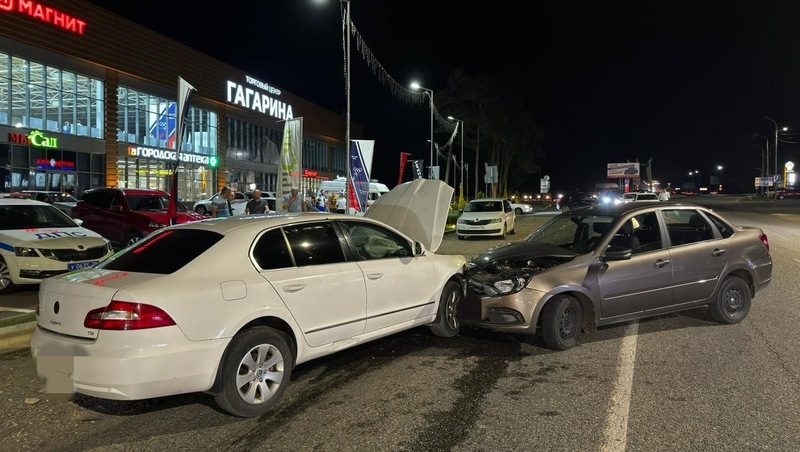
(55, 181)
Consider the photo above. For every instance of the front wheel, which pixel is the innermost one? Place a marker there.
(732, 302)
(201, 209)
(6, 286)
(255, 371)
(518, 211)
(447, 323)
(503, 235)
(562, 321)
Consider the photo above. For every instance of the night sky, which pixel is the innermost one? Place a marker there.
(686, 84)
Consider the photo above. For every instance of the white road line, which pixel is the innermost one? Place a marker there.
(615, 435)
(796, 260)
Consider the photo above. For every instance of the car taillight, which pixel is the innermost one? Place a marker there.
(123, 315)
(765, 240)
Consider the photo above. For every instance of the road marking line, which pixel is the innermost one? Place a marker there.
(16, 310)
(615, 435)
(796, 260)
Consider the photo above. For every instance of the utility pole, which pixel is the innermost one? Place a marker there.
(477, 153)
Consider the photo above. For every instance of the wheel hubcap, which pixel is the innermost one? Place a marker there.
(451, 309)
(734, 301)
(260, 374)
(567, 323)
(5, 276)
(133, 240)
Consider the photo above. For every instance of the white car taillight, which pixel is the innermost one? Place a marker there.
(124, 315)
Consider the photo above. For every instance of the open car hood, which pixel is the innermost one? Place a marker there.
(418, 209)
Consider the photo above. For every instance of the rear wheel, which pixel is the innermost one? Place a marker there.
(447, 323)
(6, 286)
(562, 320)
(201, 209)
(518, 211)
(732, 303)
(255, 371)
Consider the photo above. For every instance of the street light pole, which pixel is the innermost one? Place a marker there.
(777, 129)
(461, 185)
(347, 127)
(416, 87)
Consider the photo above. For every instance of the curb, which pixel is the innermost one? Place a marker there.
(16, 337)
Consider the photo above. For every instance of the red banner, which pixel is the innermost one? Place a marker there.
(403, 160)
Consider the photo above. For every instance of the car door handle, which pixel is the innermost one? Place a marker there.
(661, 263)
(294, 288)
(374, 275)
(717, 252)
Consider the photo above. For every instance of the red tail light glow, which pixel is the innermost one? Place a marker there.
(124, 316)
(765, 240)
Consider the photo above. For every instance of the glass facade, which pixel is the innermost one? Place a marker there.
(29, 168)
(152, 121)
(253, 143)
(36, 96)
(195, 182)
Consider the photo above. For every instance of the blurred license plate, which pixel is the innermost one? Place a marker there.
(79, 265)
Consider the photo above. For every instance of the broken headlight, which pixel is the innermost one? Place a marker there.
(506, 286)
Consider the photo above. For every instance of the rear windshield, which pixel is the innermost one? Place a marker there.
(163, 253)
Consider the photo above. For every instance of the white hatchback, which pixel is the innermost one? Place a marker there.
(38, 240)
(230, 306)
(486, 217)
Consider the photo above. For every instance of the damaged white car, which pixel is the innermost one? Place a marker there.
(230, 306)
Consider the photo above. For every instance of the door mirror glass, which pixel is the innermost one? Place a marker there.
(616, 253)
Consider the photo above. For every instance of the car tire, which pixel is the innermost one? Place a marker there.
(132, 238)
(732, 301)
(562, 321)
(447, 323)
(253, 354)
(201, 209)
(518, 211)
(514, 230)
(503, 235)
(6, 285)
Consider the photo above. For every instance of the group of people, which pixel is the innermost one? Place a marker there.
(221, 205)
(292, 203)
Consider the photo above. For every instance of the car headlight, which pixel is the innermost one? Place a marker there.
(460, 221)
(606, 200)
(496, 220)
(154, 224)
(506, 286)
(109, 247)
(26, 252)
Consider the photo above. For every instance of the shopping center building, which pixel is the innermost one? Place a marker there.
(87, 99)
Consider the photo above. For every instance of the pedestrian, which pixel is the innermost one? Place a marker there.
(257, 205)
(341, 204)
(321, 202)
(293, 202)
(221, 205)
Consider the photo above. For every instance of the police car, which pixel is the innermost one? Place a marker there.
(38, 241)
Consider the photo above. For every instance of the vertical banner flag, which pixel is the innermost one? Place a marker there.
(417, 164)
(289, 171)
(184, 93)
(403, 161)
(360, 167)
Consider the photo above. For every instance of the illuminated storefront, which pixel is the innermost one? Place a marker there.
(143, 167)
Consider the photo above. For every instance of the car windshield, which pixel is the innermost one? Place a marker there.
(484, 206)
(62, 197)
(144, 203)
(30, 217)
(577, 233)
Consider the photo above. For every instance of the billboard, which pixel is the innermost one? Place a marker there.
(623, 170)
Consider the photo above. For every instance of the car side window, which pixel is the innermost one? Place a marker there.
(117, 201)
(271, 252)
(314, 244)
(646, 233)
(507, 206)
(724, 228)
(375, 242)
(101, 200)
(686, 226)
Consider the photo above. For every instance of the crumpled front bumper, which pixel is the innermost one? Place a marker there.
(514, 313)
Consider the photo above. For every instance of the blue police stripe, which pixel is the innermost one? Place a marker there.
(7, 247)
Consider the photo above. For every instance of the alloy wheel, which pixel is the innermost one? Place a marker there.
(5, 275)
(260, 374)
(451, 309)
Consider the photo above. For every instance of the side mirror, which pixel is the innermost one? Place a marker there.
(77, 221)
(117, 208)
(616, 253)
(418, 249)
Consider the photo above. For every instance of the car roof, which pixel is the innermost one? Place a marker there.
(260, 222)
(22, 202)
(621, 209)
(488, 199)
(131, 191)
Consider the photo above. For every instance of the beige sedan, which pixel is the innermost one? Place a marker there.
(607, 264)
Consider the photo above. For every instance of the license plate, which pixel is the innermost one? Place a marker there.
(79, 265)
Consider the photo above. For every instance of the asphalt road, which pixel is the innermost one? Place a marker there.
(676, 382)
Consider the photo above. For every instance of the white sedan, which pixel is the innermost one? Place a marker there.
(37, 241)
(486, 217)
(521, 208)
(230, 306)
(238, 204)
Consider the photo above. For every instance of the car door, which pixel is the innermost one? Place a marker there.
(697, 254)
(643, 282)
(97, 213)
(323, 291)
(400, 286)
(510, 217)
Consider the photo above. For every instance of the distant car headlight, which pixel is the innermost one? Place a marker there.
(606, 200)
(506, 286)
(617, 201)
(154, 224)
(496, 220)
(26, 252)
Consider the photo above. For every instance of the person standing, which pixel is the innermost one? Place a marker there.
(341, 204)
(221, 205)
(256, 205)
(293, 202)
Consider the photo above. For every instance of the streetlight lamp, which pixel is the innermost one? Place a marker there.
(417, 87)
(461, 185)
(777, 129)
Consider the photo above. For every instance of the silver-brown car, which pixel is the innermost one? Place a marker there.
(606, 264)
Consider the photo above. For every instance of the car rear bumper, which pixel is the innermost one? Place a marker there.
(126, 365)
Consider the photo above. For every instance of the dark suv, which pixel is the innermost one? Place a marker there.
(124, 216)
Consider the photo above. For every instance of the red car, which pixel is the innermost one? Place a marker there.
(789, 193)
(124, 216)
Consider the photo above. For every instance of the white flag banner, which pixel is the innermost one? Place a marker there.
(290, 168)
(366, 148)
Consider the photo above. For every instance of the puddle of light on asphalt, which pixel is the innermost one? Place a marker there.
(615, 434)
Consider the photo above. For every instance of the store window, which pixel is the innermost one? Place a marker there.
(36, 96)
(152, 121)
(28, 168)
(253, 143)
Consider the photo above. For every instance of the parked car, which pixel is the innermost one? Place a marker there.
(124, 216)
(606, 264)
(38, 241)
(60, 200)
(640, 197)
(231, 305)
(573, 200)
(240, 199)
(788, 193)
(520, 208)
(482, 217)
